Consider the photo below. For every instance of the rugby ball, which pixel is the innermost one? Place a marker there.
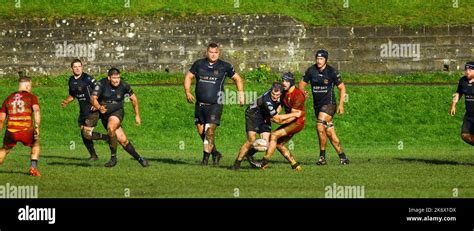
(260, 145)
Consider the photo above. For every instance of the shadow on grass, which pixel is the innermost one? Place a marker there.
(25, 173)
(64, 157)
(434, 161)
(71, 164)
(167, 161)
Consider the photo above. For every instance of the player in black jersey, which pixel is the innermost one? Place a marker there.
(108, 96)
(258, 118)
(466, 88)
(210, 74)
(80, 87)
(323, 79)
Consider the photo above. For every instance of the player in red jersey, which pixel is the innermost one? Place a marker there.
(19, 109)
(293, 101)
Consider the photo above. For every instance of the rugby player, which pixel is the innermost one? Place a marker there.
(210, 74)
(80, 87)
(21, 107)
(111, 92)
(323, 79)
(258, 117)
(293, 103)
(466, 88)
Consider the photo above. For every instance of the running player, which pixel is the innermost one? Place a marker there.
(323, 78)
(258, 117)
(466, 88)
(80, 87)
(21, 107)
(111, 92)
(293, 102)
(210, 73)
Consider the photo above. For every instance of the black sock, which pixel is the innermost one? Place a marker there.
(251, 152)
(89, 145)
(113, 145)
(322, 153)
(214, 152)
(100, 136)
(131, 150)
(205, 155)
(342, 155)
(34, 163)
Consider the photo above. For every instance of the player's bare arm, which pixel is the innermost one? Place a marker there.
(2, 120)
(239, 83)
(342, 96)
(452, 112)
(95, 103)
(285, 118)
(188, 79)
(66, 101)
(301, 86)
(134, 100)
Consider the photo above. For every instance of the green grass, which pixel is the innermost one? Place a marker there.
(432, 162)
(316, 12)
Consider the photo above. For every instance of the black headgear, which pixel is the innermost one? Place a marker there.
(469, 65)
(322, 53)
(288, 76)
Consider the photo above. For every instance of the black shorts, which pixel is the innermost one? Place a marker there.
(468, 125)
(255, 122)
(329, 109)
(89, 120)
(120, 114)
(208, 113)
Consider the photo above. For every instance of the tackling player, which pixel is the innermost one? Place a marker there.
(466, 88)
(111, 92)
(20, 107)
(80, 87)
(210, 73)
(323, 78)
(293, 102)
(258, 117)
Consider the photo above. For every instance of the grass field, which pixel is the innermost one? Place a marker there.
(316, 12)
(400, 139)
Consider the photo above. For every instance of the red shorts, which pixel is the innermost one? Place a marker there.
(25, 137)
(290, 133)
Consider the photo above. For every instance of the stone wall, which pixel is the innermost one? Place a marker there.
(46, 46)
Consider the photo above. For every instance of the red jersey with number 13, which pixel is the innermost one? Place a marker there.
(19, 108)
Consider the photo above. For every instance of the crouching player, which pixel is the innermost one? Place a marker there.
(258, 117)
(293, 102)
(19, 107)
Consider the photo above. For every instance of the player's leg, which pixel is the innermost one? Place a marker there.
(251, 136)
(336, 143)
(209, 142)
(288, 156)
(467, 131)
(3, 153)
(322, 123)
(127, 145)
(35, 153)
(113, 123)
(275, 135)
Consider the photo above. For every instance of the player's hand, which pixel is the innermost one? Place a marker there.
(94, 108)
(453, 111)
(306, 94)
(190, 98)
(340, 110)
(138, 120)
(103, 109)
(298, 114)
(241, 99)
(64, 103)
(36, 133)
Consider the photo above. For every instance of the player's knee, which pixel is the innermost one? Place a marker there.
(87, 133)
